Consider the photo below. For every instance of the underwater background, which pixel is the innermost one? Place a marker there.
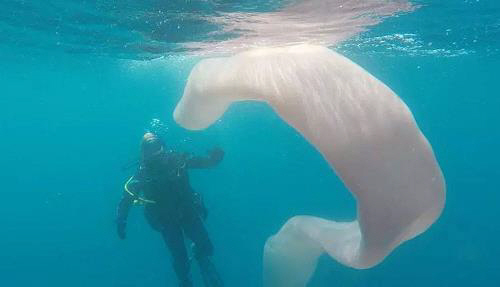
(75, 100)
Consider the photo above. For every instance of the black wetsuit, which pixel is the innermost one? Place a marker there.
(174, 210)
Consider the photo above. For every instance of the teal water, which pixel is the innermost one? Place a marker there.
(74, 104)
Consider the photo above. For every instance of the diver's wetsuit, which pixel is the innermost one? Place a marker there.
(174, 210)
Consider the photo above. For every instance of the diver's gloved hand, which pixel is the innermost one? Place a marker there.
(120, 228)
(216, 154)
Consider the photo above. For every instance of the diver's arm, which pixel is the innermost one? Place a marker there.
(122, 214)
(214, 157)
(124, 207)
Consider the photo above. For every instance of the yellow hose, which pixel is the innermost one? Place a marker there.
(137, 199)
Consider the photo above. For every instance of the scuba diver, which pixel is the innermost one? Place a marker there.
(161, 185)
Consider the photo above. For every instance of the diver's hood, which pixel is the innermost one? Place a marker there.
(152, 148)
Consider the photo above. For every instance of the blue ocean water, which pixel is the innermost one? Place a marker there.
(75, 101)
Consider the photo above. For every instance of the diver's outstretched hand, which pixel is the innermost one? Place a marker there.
(216, 154)
(120, 228)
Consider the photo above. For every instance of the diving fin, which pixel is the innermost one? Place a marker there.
(211, 277)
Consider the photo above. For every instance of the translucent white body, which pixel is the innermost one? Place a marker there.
(362, 128)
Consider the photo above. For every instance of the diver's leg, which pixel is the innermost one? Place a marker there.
(211, 277)
(173, 237)
(203, 250)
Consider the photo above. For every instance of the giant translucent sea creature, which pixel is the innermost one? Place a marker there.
(362, 128)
